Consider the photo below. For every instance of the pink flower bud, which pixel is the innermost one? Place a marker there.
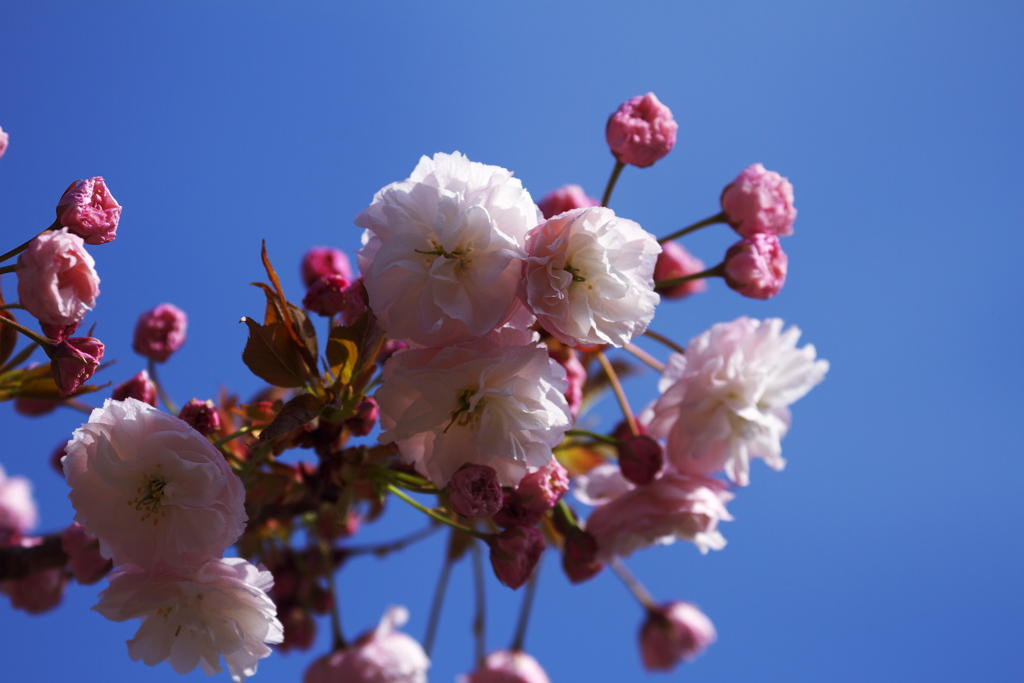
(390, 348)
(541, 490)
(38, 592)
(641, 131)
(475, 491)
(675, 262)
(324, 261)
(575, 373)
(4, 137)
(299, 629)
(74, 361)
(88, 210)
(30, 407)
(18, 512)
(202, 416)
(515, 553)
(160, 332)
(579, 557)
(139, 387)
(674, 632)
(367, 412)
(57, 281)
(759, 201)
(354, 304)
(513, 514)
(565, 199)
(326, 296)
(384, 655)
(756, 266)
(83, 551)
(507, 666)
(58, 332)
(640, 459)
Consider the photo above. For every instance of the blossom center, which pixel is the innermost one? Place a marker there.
(468, 411)
(459, 255)
(150, 497)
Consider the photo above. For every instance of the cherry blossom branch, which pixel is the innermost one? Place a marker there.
(480, 614)
(710, 220)
(38, 339)
(17, 562)
(611, 182)
(524, 611)
(168, 403)
(645, 357)
(664, 340)
(633, 584)
(435, 606)
(382, 549)
(17, 250)
(337, 636)
(716, 271)
(9, 269)
(613, 379)
(436, 515)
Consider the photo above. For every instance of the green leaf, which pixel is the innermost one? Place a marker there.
(297, 412)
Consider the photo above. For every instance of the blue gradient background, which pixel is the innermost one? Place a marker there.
(889, 549)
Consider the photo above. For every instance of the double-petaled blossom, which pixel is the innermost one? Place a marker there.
(759, 201)
(57, 280)
(756, 266)
(18, 513)
(727, 399)
(160, 332)
(565, 199)
(83, 550)
(193, 617)
(589, 277)
(674, 507)
(442, 252)
(151, 488)
(479, 403)
(507, 666)
(672, 633)
(90, 211)
(641, 131)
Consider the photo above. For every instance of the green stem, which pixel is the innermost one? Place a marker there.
(613, 379)
(664, 340)
(37, 338)
(241, 432)
(437, 603)
(7, 307)
(645, 357)
(433, 513)
(17, 250)
(254, 460)
(480, 615)
(710, 220)
(633, 584)
(593, 435)
(611, 182)
(716, 271)
(524, 611)
(172, 408)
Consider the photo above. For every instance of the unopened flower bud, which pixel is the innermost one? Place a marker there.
(88, 210)
(83, 551)
(160, 332)
(58, 332)
(390, 348)
(32, 407)
(324, 261)
(640, 459)
(38, 592)
(579, 556)
(299, 629)
(326, 296)
(367, 413)
(759, 201)
(515, 553)
(202, 416)
(507, 666)
(641, 131)
(73, 361)
(139, 387)
(756, 266)
(513, 514)
(475, 491)
(674, 632)
(675, 262)
(565, 199)
(541, 490)
(4, 138)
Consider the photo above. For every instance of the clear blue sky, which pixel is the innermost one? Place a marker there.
(890, 548)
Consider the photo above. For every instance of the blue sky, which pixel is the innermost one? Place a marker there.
(889, 549)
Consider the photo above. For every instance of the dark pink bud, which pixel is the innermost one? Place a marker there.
(579, 557)
(139, 387)
(367, 412)
(474, 492)
(512, 514)
(354, 304)
(541, 490)
(299, 630)
(323, 261)
(202, 416)
(641, 131)
(515, 553)
(30, 407)
(675, 262)
(756, 266)
(326, 296)
(88, 210)
(640, 459)
(759, 201)
(672, 633)
(38, 592)
(390, 348)
(73, 361)
(58, 332)
(507, 666)
(160, 332)
(564, 199)
(83, 551)
(621, 431)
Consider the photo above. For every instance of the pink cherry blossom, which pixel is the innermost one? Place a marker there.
(564, 199)
(139, 387)
(675, 262)
(641, 131)
(194, 617)
(73, 361)
(442, 252)
(589, 277)
(83, 550)
(18, 513)
(759, 201)
(160, 332)
(674, 632)
(541, 490)
(756, 266)
(90, 211)
(507, 666)
(151, 488)
(727, 399)
(676, 506)
(325, 261)
(480, 403)
(57, 280)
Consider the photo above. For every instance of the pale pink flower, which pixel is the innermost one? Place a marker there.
(83, 550)
(160, 332)
(4, 138)
(756, 266)
(641, 131)
(321, 262)
(443, 250)
(675, 262)
(38, 592)
(501, 406)
(194, 617)
(383, 655)
(18, 513)
(90, 211)
(589, 277)
(139, 387)
(676, 506)
(507, 666)
(675, 632)
(515, 553)
(73, 361)
(564, 199)
(151, 488)
(601, 485)
(759, 201)
(727, 400)
(475, 492)
(57, 280)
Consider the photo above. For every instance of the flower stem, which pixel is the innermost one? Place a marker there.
(710, 220)
(17, 250)
(172, 408)
(37, 338)
(613, 379)
(524, 611)
(593, 435)
(7, 307)
(433, 513)
(633, 584)
(241, 432)
(665, 340)
(645, 357)
(337, 636)
(9, 269)
(611, 182)
(435, 606)
(716, 271)
(480, 616)
(382, 549)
